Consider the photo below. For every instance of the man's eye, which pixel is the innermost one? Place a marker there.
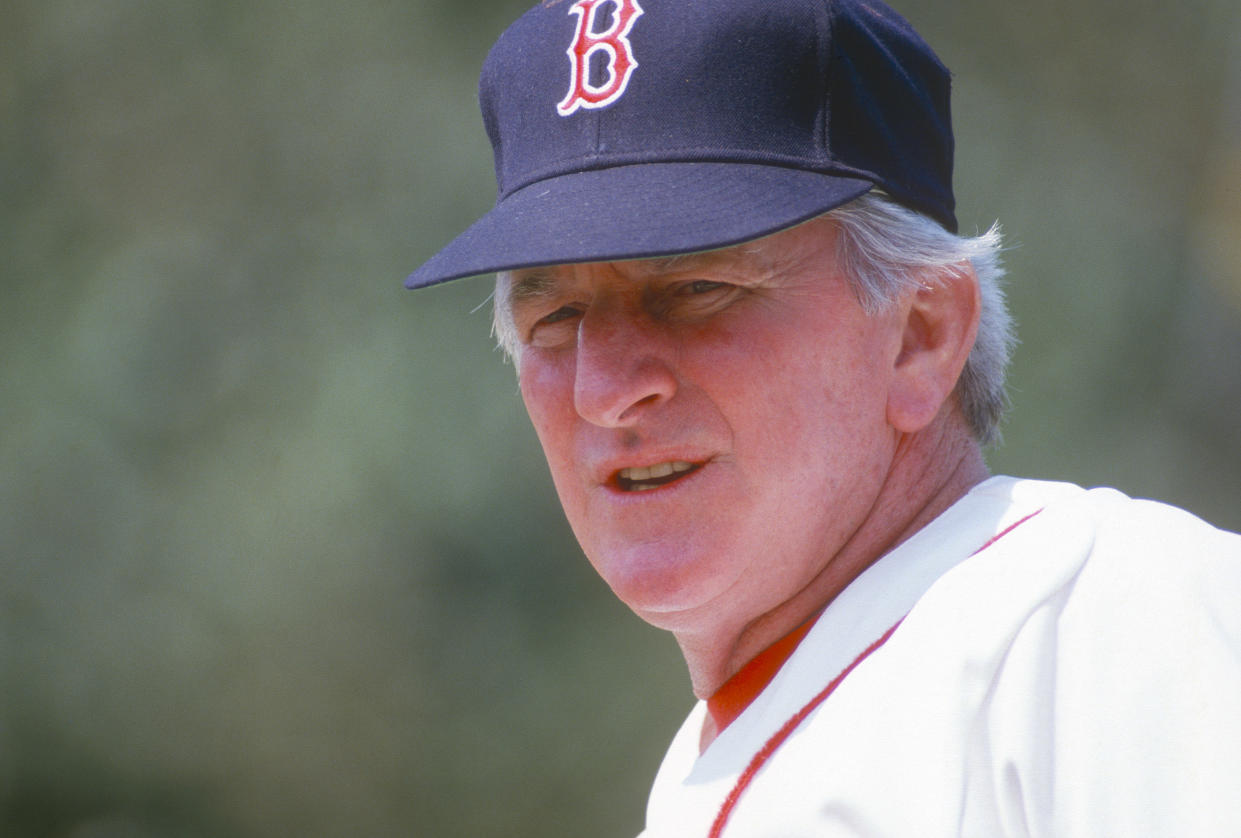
(555, 328)
(562, 313)
(693, 299)
(701, 286)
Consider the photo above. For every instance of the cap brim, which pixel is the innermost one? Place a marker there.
(634, 212)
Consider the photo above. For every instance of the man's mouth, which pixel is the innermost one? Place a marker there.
(645, 478)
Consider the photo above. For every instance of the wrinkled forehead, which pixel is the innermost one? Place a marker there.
(754, 259)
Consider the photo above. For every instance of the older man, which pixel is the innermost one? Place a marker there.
(762, 364)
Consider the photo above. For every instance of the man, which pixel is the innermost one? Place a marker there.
(762, 366)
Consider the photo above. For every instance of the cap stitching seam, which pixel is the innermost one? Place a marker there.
(827, 50)
(826, 168)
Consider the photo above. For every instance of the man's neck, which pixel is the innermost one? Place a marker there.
(739, 691)
(929, 473)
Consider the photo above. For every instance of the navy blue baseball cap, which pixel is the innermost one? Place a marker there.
(626, 129)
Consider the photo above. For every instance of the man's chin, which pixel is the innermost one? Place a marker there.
(670, 592)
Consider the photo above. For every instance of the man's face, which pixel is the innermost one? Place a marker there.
(714, 424)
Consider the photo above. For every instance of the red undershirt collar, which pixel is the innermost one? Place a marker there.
(736, 694)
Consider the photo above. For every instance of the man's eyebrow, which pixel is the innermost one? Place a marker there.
(535, 284)
(530, 285)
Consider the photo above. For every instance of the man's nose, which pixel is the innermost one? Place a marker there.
(623, 364)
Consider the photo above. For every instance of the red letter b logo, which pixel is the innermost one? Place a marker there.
(614, 43)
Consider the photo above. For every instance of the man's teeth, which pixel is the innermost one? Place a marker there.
(639, 478)
(658, 470)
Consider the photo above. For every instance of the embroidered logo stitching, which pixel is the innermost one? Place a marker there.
(613, 42)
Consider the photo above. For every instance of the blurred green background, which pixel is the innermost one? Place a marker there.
(280, 556)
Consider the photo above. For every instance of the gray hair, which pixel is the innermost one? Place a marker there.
(886, 251)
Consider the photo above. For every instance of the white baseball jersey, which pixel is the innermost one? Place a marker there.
(1078, 677)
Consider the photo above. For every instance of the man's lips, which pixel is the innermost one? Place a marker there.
(645, 478)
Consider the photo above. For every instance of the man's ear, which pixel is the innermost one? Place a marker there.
(940, 324)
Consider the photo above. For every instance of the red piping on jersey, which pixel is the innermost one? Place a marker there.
(786, 730)
(760, 759)
(1005, 532)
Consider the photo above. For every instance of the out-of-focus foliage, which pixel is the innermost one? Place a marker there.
(279, 552)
